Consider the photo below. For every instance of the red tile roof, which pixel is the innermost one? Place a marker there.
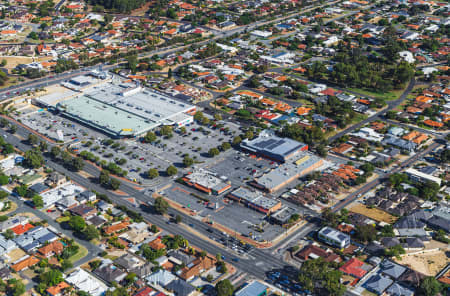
(20, 229)
(353, 267)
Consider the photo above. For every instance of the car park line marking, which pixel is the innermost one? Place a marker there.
(180, 189)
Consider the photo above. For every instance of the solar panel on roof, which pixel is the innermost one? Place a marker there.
(276, 144)
(264, 144)
(341, 236)
(326, 231)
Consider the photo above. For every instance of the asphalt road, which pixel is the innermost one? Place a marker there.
(369, 186)
(93, 250)
(258, 263)
(391, 105)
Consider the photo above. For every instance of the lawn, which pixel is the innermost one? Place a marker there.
(111, 257)
(62, 219)
(82, 252)
(387, 96)
(95, 241)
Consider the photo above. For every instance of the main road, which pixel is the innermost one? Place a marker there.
(256, 263)
(11, 91)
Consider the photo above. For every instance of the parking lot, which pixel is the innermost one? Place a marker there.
(239, 168)
(137, 158)
(230, 214)
(48, 124)
(131, 154)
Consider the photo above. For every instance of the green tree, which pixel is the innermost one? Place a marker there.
(91, 232)
(149, 137)
(166, 130)
(16, 287)
(3, 122)
(33, 158)
(132, 62)
(429, 286)
(171, 170)
(237, 140)
(225, 146)
(224, 288)
(178, 219)
(103, 179)
(8, 234)
(4, 179)
(152, 173)
(43, 146)
(198, 116)
(366, 233)
(37, 201)
(188, 161)
(33, 35)
(55, 151)
(249, 135)
(394, 251)
(322, 151)
(213, 152)
(397, 178)
(130, 278)
(114, 183)
(95, 264)
(318, 275)
(51, 278)
(161, 205)
(429, 190)
(21, 190)
(77, 223)
(77, 164)
(66, 264)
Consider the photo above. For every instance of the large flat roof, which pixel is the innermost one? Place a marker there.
(287, 171)
(124, 108)
(53, 98)
(107, 118)
(144, 102)
(206, 179)
(334, 234)
(255, 197)
(269, 144)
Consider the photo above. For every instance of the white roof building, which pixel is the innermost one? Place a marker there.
(368, 134)
(262, 34)
(86, 282)
(407, 56)
(64, 191)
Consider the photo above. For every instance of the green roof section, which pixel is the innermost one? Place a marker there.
(109, 119)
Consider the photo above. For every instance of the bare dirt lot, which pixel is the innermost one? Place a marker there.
(374, 213)
(428, 263)
(12, 61)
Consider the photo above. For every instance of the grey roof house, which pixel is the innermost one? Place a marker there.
(399, 290)
(109, 273)
(377, 284)
(180, 288)
(392, 269)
